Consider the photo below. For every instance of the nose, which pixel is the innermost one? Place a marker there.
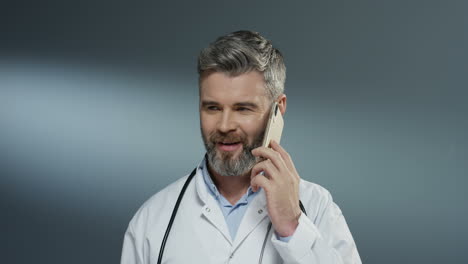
(227, 122)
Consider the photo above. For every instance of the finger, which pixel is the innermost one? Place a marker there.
(260, 181)
(267, 166)
(284, 155)
(268, 153)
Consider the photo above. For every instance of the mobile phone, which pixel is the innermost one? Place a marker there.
(274, 127)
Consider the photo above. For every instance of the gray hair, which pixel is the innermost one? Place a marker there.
(241, 52)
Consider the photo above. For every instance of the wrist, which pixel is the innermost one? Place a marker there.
(288, 229)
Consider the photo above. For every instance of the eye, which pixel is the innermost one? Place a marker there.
(212, 108)
(243, 109)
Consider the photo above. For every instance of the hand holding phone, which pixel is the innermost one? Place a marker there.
(283, 199)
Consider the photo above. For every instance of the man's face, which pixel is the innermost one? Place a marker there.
(233, 116)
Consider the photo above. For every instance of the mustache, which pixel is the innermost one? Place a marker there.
(217, 137)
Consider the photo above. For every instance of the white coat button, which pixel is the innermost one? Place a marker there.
(207, 209)
(260, 211)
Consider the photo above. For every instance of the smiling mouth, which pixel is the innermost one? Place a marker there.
(229, 146)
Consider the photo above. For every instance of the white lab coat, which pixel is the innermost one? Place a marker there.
(200, 233)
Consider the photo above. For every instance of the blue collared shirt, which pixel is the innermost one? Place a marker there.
(233, 214)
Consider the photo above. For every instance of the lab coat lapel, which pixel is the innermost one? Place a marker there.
(256, 212)
(210, 210)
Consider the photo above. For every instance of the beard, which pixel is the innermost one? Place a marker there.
(223, 162)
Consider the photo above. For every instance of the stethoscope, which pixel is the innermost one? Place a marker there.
(176, 207)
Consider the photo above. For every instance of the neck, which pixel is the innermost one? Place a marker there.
(231, 187)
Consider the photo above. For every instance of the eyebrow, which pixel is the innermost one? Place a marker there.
(240, 104)
(205, 103)
(247, 104)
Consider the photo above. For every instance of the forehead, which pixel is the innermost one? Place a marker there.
(223, 88)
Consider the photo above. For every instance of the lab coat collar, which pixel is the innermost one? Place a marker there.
(255, 214)
(200, 183)
(210, 209)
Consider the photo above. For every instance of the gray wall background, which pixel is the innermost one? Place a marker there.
(98, 111)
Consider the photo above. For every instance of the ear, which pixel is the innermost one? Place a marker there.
(282, 103)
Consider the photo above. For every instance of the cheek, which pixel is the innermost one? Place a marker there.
(255, 126)
(206, 124)
(205, 131)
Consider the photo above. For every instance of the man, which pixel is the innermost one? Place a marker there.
(243, 204)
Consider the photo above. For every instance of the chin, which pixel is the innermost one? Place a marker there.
(231, 155)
